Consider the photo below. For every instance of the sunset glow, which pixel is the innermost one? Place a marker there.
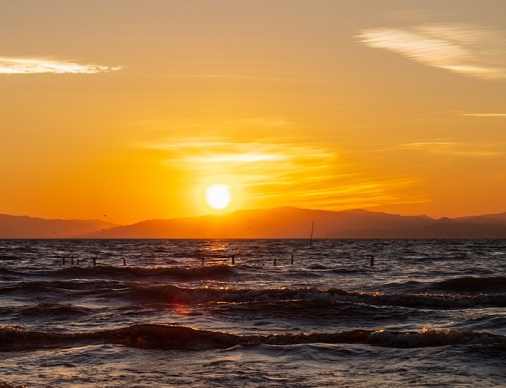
(387, 106)
(218, 196)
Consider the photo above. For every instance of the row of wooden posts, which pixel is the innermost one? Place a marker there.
(232, 258)
(275, 262)
(94, 261)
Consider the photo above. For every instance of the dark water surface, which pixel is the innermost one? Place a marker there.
(168, 313)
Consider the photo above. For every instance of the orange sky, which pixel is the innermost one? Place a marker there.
(128, 110)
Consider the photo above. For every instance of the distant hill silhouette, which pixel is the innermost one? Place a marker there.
(435, 230)
(484, 219)
(283, 222)
(29, 227)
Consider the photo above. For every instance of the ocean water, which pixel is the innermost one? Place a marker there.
(252, 313)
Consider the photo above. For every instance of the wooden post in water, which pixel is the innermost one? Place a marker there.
(233, 259)
(124, 261)
(94, 261)
(291, 261)
(275, 261)
(372, 260)
(311, 238)
(63, 260)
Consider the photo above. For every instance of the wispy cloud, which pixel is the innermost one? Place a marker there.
(45, 65)
(455, 148)
(458, 48)
(485, 114)
(208, 153)
(295, 173)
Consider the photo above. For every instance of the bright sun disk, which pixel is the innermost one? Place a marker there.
(218, 196)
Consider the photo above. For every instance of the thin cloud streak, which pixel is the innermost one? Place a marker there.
(44, 65)
(235, 158)
(485, 114)
(457, 48)
(453, 148)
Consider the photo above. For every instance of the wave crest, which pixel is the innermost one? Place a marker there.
(157, 336)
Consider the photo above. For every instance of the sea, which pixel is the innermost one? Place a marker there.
(252, 313)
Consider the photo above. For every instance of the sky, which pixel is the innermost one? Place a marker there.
(126, 110)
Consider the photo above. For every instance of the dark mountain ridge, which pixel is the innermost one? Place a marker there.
(282, 222)
(31, 227)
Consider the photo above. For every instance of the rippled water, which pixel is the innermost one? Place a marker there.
(252, 313)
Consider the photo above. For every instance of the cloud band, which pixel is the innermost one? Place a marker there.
(43, 65)
(457, 48)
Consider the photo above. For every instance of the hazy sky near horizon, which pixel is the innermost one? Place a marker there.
(126, 110)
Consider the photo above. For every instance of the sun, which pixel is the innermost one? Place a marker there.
(218, 196)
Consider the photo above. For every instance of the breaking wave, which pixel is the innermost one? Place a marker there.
(143, 293)
(176, 273)
(156, 336)
(471, 284)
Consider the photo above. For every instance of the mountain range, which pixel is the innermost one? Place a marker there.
(283, 222)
